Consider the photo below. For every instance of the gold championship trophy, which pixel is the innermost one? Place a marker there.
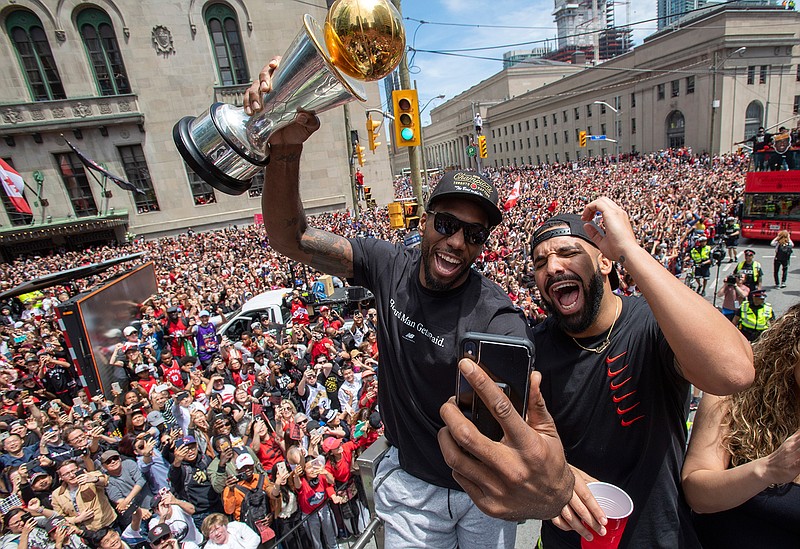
(363, 41)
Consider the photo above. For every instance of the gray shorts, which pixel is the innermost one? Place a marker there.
(419, 514)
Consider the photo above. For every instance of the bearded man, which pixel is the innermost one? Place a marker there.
(616, 373)
(426, 298)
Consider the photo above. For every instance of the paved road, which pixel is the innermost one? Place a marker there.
(781, 299)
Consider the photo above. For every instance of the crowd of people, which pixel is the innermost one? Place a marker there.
(244, 443)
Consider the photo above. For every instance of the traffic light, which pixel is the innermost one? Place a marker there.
(372, 133)
(406, 118)
(582, 138)
(360, 154)
(483, 149)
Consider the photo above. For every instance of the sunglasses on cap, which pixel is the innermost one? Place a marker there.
(448, 225)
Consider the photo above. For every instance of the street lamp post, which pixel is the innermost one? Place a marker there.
(617, 129)
(422, 140)
(715, 103)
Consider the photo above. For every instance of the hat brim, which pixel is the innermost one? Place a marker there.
(495, 216)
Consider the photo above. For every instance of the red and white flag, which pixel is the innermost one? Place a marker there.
(513, 197)
(13, 185)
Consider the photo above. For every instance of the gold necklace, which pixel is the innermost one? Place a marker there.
(604, 345)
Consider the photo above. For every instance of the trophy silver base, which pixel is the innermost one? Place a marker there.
(227, 148)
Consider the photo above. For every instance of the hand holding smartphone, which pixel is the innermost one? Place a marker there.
(508, 361)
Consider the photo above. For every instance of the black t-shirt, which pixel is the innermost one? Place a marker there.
(418, 335)
(768, 519)
(621, 415)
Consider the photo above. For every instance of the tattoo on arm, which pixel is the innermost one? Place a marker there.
(329, 252)
(621, 260)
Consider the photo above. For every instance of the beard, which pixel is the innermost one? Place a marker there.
(593, 297)
(432, 283)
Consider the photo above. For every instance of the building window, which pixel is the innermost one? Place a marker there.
(513, 144)
(752, 118)
(633, 100)
(577, 134)
(35, 56)
(547, 159)
(566, 137)
(492, 134)
(555, 139)
(512, 129)
(545, 140)
(577, 113)
(689, 85)
(73, 174)
(202, 192)
(751, 74)
(762, 74)
(566, 156)
(588, 111)
(589, 130)
(602, 129)
(136, 171)
(602, 108)
(16, 218)
(536, 140)
(494, 148)
(529, 142)
(535, 123)
(256, 185)
(520, 144)
(797, 76)
(538, 159)
(223, 29)
(660, 90)
(555, 119)
(105, 56)
(675, 90)
(527, 125)
(556, 158)
(564, 115)
(505, 130)
(633, 126)
(519, 127)
(618, 102)
(544, 121)
(796, 105)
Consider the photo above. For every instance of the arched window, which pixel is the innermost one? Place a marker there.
(223, 29)
(676, 130)
(35, 56)
(102, 47)
(752, 118)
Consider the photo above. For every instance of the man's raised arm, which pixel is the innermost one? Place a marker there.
(284, 216)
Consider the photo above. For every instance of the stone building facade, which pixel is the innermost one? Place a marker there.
(113, 77)
(706, 85)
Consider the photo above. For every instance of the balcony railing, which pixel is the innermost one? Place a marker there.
(232, 95)
(17, 118)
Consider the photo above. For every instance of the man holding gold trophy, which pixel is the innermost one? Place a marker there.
(416, 494)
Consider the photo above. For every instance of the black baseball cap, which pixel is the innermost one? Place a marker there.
(570, 225)
(159, 532)
(472, 186)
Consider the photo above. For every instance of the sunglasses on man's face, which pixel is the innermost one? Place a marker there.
(445, 224)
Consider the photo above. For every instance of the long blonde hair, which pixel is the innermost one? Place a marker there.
(783, 237)
(762, 417)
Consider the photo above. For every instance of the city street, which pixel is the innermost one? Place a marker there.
(781, 299)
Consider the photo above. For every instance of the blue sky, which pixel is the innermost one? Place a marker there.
(523, 22)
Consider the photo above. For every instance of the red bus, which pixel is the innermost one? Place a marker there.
(771, 204)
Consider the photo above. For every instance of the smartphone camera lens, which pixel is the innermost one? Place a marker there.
(471, 348)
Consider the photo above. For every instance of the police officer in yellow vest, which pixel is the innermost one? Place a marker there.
(701, 257)
(755, 315)
(751, 269)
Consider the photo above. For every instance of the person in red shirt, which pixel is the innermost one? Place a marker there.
(171, 369)
(145, 379)
(266, 444)
(299, 310)
(321, 346)
(316, 487)
(340, 463)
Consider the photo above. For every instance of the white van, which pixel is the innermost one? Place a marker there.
(262, 306)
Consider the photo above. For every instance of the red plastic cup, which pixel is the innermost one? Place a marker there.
(618, 506)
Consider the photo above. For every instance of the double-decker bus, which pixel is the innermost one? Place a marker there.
(771, 204)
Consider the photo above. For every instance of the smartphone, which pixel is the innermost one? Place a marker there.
(282, 468)
(116, 387)
(318, 461)
(508, 360)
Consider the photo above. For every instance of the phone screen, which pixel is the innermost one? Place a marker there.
(508, 361)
